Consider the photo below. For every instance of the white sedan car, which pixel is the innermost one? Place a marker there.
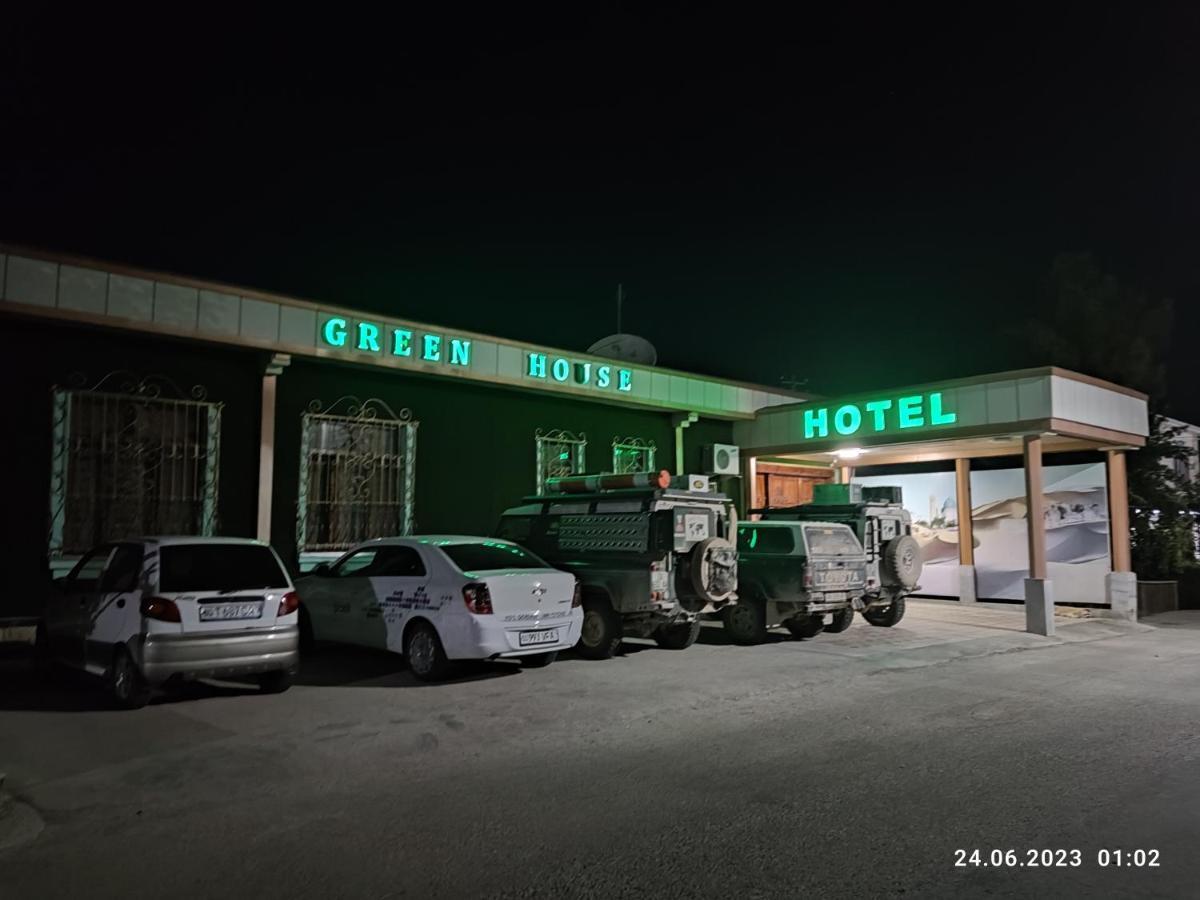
(439, 598)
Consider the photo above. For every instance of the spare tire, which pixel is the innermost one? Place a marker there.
(902, 561)
(712, 569)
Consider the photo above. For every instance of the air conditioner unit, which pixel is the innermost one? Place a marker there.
(721, 459)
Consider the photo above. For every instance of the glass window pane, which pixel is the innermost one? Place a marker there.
(218, 567)
(491, 555)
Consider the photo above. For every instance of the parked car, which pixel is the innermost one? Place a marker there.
(438, 599)
(143, 611)
(795, 574)
(652, 552)
(880, 521)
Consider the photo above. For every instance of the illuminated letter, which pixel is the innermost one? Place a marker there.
(879, 407)
(335, 332)
(603, 376)
(583, 373)
(368, 337)
(816, 424)
(624, 380)
(936, 416)
(847, 419)
(910, 412)
(561, 370)
(433, 348)
(537, 365)
(460, 352)
(401, 342)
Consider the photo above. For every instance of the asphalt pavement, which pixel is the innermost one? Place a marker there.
(847, 765)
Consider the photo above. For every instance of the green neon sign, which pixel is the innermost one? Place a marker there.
(366, 336)
(874, 416)
(561, 370)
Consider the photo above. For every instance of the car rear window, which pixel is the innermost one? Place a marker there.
(218, 567)
(761, 539)
(489, 555)
(831, 540)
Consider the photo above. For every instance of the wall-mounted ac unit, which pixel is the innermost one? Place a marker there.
(721, 459)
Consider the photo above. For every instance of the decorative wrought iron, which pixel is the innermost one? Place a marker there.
(128, 458)
(559, 454)
(632, 454)
(357, 469)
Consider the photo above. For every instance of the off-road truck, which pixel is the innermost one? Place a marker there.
(652, 553)
(794, 574)
(878, 518)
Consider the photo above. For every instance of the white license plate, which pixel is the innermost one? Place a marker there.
(533, 638)
(219, 612)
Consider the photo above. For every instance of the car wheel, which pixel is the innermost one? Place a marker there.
(804, 626)
(600, 636)
(307, 640)
(275, 682)
(539, 660)
(677, 637)
(840, 621)
(887, 616)
(426, 658)
(746, 622)
(129, 690)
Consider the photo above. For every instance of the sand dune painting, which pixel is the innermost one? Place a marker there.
(1076, 520)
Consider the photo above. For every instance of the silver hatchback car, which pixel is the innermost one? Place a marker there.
(140, 612)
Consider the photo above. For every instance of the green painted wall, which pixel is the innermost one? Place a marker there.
(475, 445)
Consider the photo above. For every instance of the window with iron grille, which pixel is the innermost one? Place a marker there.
(128, 459)
(632, 454)
(559, 454)
(357, 462)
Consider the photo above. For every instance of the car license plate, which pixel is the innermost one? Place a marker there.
(533, 638)
(220, 612)
(837, 577)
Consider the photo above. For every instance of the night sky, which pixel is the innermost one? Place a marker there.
(854, 203)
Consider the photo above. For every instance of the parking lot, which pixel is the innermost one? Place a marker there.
(848, 764)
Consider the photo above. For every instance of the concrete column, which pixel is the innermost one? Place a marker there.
(1039, 592)
(266, 444)
(680, 422)
(1120, 585)
(845, 474)
(966, 531)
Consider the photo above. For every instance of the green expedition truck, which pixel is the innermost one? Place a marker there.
(884, 527)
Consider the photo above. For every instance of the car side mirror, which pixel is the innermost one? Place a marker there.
(321, 570)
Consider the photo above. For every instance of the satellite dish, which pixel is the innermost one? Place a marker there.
(627, 348)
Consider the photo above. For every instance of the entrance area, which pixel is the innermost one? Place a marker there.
(1027, 528)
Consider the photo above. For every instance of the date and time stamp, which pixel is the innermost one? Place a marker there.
(1105, 858)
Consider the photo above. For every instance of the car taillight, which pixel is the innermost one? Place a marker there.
(478, 599)
(808, 577)
(289, 604)
(577, 597)
(160, 608)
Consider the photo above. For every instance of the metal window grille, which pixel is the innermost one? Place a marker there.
(128, 461)
(559, 454)
(632, 454)
(357, 467)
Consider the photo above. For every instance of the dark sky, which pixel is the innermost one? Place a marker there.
(863, 201)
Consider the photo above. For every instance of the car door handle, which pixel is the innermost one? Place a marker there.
(121, 603)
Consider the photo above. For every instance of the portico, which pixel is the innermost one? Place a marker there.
(1026, 414)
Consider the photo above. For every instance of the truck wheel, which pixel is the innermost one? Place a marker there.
(902, 560)
(129, 690)
(840, 621)
(804, 626)
(426, 658)
(745, 622)
(677, 637)
(539, 660)
(600, 636)
(886, 616)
